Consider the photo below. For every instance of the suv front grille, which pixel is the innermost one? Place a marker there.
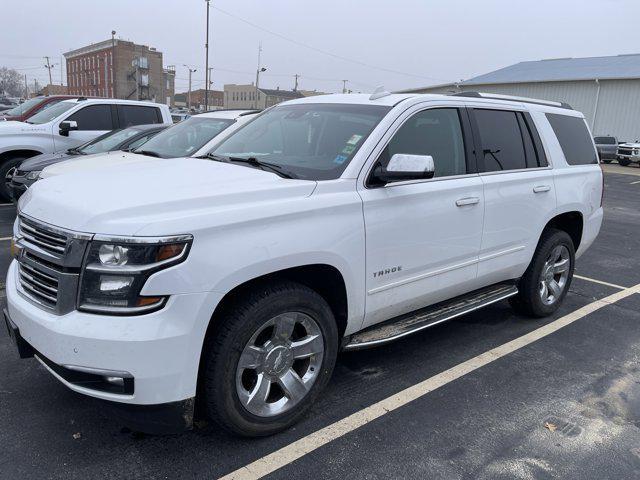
(46, 239)
(39, 285)
(625, 151)
(49, 264)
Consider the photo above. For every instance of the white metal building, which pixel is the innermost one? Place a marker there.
(605, 89)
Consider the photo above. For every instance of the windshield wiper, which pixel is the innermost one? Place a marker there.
(148, 153)
(75, 151)
(254, 162)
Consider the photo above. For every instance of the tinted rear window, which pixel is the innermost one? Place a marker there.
(606, 140)
(501, 138)
(574, 139)
(131, 115)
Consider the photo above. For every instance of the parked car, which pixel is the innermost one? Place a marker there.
(628, 153)
(607, 147)
(178, 117)
(28, 172)
(67, 124)
(32, 106)
(335, 222)
(191, 138)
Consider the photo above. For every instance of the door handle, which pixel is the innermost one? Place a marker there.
(467, 201)
(541, 188)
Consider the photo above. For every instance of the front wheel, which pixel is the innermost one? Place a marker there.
(624, 162)
(544, 285)
(7, 169)
(273, 352)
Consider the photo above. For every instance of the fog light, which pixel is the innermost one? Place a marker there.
(111, 284)
(119, 381)
(15, 248)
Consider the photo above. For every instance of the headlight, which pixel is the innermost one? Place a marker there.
(35, 175)
(115, 272)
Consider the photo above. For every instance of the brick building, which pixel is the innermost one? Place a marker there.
(216, 99)
(119, 69)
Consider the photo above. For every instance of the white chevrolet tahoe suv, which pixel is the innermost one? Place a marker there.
(70, 123)
(228, 286)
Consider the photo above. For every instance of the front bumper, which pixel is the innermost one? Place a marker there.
(160, 350)
(633, 158)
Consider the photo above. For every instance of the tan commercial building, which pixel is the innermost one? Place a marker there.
(244, 96)
(119, 69)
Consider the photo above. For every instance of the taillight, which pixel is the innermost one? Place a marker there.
(602, 192)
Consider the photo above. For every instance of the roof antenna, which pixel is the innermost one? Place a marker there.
(379, 92)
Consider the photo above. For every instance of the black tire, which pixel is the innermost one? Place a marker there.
(624, 162)
(5, 194)
(606, 161)
(236, 326)
(528, 301)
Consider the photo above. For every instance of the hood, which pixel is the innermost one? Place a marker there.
(82, 163)
(630, 144)
(43, 160)
(124, 200)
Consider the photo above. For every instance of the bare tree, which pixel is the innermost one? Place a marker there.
(11, 82)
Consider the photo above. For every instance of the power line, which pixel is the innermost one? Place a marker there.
(319, 50)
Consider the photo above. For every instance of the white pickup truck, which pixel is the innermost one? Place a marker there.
(70, 123)
(326, 223)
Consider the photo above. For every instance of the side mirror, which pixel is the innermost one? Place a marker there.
(403, 167)
(68, 126)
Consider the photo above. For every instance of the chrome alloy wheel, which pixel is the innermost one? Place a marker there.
(279, 364)
(555, 274)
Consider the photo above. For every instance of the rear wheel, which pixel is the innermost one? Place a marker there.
(272, 354)
(548, 277)
(606, 160)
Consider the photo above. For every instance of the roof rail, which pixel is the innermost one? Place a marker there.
(513, 98)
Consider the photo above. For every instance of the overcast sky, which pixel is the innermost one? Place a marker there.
(398, 43)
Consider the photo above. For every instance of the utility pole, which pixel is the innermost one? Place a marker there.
(26, 87)
(61, 83)
(210, 83)
(344, 86)
(206, 66)
(189, 94)
(258, 71)
(113, 63)
(49, 67)
(295, 87)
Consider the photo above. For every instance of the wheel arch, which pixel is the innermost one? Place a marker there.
(18, 152)
(571, 222)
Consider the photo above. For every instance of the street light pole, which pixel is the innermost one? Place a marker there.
(258, 71)
(189, 94)
(206, 68)
(113, 63)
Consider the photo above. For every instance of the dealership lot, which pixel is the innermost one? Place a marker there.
(564, 406)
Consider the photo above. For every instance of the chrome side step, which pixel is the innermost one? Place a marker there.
(428, 317)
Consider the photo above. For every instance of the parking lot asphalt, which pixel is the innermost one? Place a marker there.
(564, 406)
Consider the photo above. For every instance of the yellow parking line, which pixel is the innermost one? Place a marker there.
(292, 452)
(599, 281)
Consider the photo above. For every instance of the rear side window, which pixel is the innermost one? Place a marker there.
(93, 117)
(131, 115)
(574, 138)
(501, 138)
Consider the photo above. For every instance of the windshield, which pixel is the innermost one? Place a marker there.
(185, 138)
(51, 113)
(109, 141)
(22, 108)
(313, 141)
